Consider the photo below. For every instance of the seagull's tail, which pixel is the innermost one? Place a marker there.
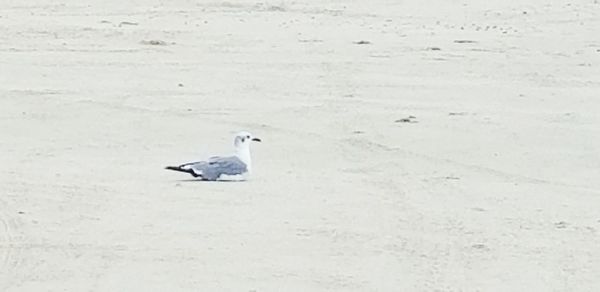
(181, 169)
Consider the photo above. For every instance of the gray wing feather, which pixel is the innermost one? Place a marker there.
(217, 166)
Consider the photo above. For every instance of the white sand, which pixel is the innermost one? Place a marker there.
(495, 187)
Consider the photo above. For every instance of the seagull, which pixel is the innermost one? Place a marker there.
(224, 168)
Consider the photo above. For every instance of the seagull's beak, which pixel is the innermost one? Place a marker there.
(256, 139)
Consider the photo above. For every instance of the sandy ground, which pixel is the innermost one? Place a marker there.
(493, 184)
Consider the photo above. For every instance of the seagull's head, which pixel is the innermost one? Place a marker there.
(243, 139)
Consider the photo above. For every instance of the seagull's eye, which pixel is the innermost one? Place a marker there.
(248, 137)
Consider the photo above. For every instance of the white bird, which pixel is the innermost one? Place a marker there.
(234, 167)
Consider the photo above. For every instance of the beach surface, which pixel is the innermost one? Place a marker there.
(447, 146)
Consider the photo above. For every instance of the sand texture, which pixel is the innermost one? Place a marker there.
(407, 146)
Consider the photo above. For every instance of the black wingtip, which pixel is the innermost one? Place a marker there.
(180, 169)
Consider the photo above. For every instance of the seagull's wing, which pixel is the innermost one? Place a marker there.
(201, 164)
(193, 168)
(217, 166)
(190, 168)
(213, 168)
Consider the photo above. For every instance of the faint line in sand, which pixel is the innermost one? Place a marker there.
(492, 171)
(179, 112)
